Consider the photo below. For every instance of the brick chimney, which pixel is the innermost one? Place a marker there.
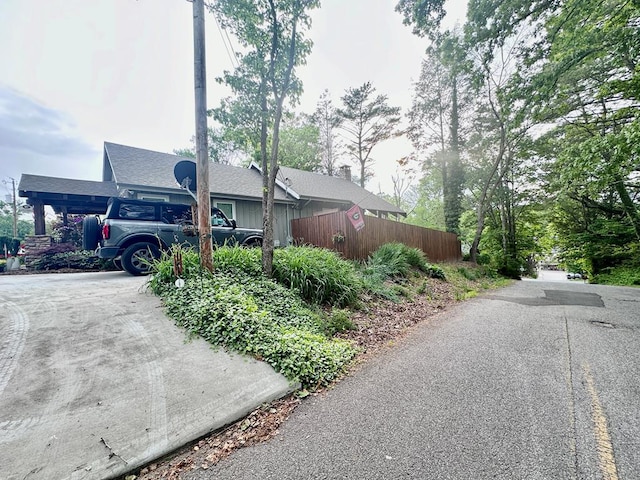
(345, 172)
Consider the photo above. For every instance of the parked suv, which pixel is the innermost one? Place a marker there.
(135, 231)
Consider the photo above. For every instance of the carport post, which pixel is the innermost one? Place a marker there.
(38, 215)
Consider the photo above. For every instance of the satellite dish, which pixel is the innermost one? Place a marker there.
(185, 173)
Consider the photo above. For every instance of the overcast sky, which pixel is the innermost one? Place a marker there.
(76, 73)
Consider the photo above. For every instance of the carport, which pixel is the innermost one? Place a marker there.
(65, 196)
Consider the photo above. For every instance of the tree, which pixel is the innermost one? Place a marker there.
(424, 15)
(221, 149)
(272, 32)
(24, 227)
(299, 146)
(367, 120)
(435, 119)
(327, 120)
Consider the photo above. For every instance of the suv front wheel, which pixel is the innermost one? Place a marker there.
(137, 258)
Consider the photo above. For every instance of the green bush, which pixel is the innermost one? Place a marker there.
(238, 259)
(11, 244)
(78, 260)
(339, 321)
(629, 276)
(320, 275)
(397, 260)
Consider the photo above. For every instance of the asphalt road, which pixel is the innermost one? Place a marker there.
(536, 381)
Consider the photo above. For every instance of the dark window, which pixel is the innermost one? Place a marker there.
(176, 214)
(137, 212)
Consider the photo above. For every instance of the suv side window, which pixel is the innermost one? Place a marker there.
(136, 212)
(218, 219)
(175, 214)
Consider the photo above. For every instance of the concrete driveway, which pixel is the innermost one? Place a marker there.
(96, 381)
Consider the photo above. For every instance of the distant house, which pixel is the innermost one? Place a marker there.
(145, 174)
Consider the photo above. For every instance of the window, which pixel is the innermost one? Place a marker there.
(153, 197)
(217, 219)
(137, 212)
(176, 214)
(228, 207)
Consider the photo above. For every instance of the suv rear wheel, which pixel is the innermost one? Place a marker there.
(137, 258)
(90, 233)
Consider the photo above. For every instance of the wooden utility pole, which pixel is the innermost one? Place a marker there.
(202, 156)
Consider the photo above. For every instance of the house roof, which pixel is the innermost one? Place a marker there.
(323, 187)
(67, 195)
(66, 186)
(133, 166)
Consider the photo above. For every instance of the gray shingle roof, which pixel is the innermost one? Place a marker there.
(322, 187)
(139, 167)
(136, 166)
(39, 183)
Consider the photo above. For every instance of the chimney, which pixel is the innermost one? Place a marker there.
(345, 171)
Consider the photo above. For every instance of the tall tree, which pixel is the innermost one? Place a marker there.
(221, 149)
(272, 32)
(435, 118)
(299, 146)
(367, 120)
(328, 121)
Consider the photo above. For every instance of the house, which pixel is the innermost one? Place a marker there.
(146, 174)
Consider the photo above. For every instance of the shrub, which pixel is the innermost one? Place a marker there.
(58, 248)
(629, 276)
(238, 259)
(11, 244)
(320, 275)
(338, 321)
(79, 260)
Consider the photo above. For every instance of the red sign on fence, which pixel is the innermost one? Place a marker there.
(356, 217)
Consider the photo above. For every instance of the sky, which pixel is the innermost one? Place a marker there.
(77, 73)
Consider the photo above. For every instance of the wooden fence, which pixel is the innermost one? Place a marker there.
(321, 230)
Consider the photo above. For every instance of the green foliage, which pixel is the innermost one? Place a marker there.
(69, 233)
(395, 260)
(320, 275)
(338, 321)
(25, 227)
(11, 244)
(629, 276)
(77, 260)
(298, 145)
(235, 259)
(367, 120)
(254, 316)
(423, 15)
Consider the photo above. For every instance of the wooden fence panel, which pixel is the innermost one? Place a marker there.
(319, 231)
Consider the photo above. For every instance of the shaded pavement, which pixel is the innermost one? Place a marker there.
(96, 381)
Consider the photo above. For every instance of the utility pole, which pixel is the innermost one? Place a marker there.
(202, 156)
